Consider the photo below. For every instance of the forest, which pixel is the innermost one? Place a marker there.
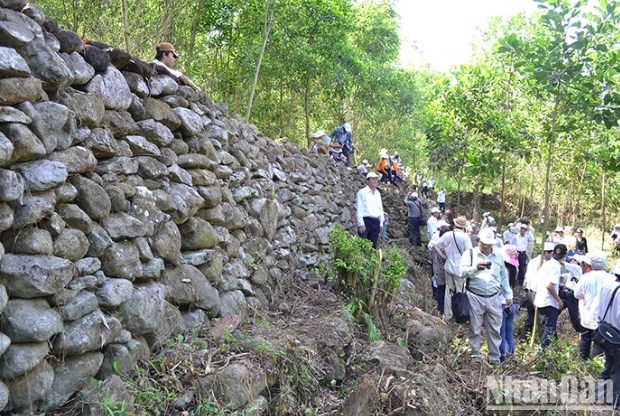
(532, 117)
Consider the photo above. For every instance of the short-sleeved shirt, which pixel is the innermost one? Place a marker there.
(454, 244)
(550, 272)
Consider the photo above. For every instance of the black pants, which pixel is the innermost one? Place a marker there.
(415, 236)
(528, 327)
(347, 153)
(587, 348)
(522, 267)
(373, 225)
(572, 304)
(612, 372)
(550, 325)
(512, 274)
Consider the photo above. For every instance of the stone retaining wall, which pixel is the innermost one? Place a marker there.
(132, 209)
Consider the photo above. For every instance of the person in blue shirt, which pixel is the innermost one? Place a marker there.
(343, 136)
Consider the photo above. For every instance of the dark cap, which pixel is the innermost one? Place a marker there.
(559, 252)
(167, 47)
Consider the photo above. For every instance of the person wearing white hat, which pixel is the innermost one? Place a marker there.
(431, 223)
(521, 242)
(343, 136)
(361, 168)
(530, 284)
(487, 286)
(487, 220)
(588, 291)
(369, 210)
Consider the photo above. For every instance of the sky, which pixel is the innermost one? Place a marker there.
(440, 33)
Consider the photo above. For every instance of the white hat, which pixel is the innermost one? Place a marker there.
(559, 229)
(549, 246)
(524, 226)
(597, 259)
(487, 236)
(434, 210)
(371, 175)
(365, 161)
(486, 214)
(414, 195)
(347, 127)
(318, 134)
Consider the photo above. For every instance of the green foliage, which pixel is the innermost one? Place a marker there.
(366, 279)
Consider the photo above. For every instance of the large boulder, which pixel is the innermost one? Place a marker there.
(17, 90)
(112, 88)
(41, 175)
(19, 359)
(142, 312)
(30, 387)
(122, 259)
(46, 65)
(70, 375)
(92, 198)
(54, 124)
(35, 276)
(11, 64)
(26, 145)
(30, 320)
(76, 159)
(89, 333)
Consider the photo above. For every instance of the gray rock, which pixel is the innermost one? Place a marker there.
(71, 244)
(136, 84)
(54, 124)
(122, 260)
(70, 375)
(155, 132)
(30, 320)
(160, 111)
(112, 88)
(211, 195)
(170, 324)
(46, 65)
(199, 257)
(89, 333)
(17, 90)
(82, 71)
(141, 313)
(99, 240)
(114, 292)
(195, 161)
(166, 243)
(188, 286)
(19, 359)
(120, 123)
(26, 146)
(54, 225)
(88, 108)
(186, 201)
(87, 265)
(75, 217)
(203, 177)
(15, 35)
(191, 123)
(29, 240)
(65, 193)
(4, 297)
(117, 360)
(119, 165)
(141, 146)
(197, 234)
(232, 303)
(31, 387)
(151, 168)
(92, 198)
(180, 175)
(236, 386)
(144, 208)
(32, 208)
(121, 226)
(11, 185)
(102, 143)
(34, 276)
(244, 192)
(4, 395)
(83, 303)
(6, 147)
(11, 64)
(162, 85)
(76, 159)
(214, 216)
(6, 217)
(41, 175)
(194, 320)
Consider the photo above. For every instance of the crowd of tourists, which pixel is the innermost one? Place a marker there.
(471, 257)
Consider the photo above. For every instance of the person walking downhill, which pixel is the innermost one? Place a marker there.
(487, 288)
(414, 218)
(450, 247)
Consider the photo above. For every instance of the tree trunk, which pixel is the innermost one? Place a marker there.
(194, 30)
(266, 29)
(458, 187)
(502, 207)
(603, 210)
(307, 107)
(125, 25)
(476, 200)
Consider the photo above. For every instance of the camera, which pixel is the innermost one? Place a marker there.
(488, 265)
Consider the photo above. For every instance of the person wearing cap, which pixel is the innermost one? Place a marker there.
(612, 362)
(530, 284)
(343, 136)
(571, 273)
(165, 58)
(558, 235)
(547, 298)
(383, 167)
(369, 210)
(509, 233)
(441, 199)
(487, 287)
(450, 247)
(569, 239)
(318, 143)
(530, 245)
(361, 168)
(487, 220)
(521, 242)
(581, 243)
(414, 218)
(431, 223)
(587, 290)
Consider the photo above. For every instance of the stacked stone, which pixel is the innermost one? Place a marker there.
(131, 210)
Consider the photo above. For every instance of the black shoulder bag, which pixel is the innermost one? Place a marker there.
(460, 300)
(607, 335)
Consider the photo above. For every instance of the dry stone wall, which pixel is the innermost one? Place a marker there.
(132, 209)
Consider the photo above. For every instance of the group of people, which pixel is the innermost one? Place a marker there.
(338, 145)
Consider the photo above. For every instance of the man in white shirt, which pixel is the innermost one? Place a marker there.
(521, 241)
(547, 298)
(369, 209)
(588, 290)
(451, 247)
(441, 199)
(530, 286)
(431, 223)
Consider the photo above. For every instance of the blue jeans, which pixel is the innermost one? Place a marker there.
(550, 325)
(507, 346)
